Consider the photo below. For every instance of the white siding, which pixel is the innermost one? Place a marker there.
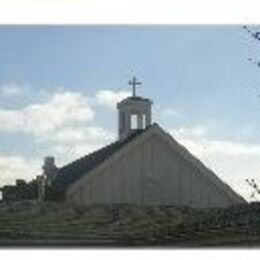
(150, 173)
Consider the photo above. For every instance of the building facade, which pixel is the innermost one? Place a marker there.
(145, 166)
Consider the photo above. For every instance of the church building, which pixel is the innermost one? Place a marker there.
(145, 166)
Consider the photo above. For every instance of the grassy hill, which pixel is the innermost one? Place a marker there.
(51, 224)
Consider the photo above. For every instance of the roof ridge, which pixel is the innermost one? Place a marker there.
(77, 168)
(207, 171)
(105, 147)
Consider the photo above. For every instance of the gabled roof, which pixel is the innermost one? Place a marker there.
(203, 169)
(85, 165)
(75, 170)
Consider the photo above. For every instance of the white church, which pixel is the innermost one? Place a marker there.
(145, 166)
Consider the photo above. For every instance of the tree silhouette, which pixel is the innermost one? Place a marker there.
(256, 190)
(255, 34)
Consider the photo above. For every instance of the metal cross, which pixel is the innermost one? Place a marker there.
(134, 83)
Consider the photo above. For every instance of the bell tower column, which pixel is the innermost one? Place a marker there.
(134, 105)
(127, 121)
(148, 118)
(140, 123)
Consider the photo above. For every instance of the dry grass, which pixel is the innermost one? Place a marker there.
(28, 223)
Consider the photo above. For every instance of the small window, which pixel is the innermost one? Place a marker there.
(133, 122)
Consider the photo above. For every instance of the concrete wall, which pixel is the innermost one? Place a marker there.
(150, 172)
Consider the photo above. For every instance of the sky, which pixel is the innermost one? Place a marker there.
(59, 87)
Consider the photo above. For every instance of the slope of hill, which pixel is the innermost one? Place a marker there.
(27, 223)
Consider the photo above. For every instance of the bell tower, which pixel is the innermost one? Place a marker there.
(134, 112)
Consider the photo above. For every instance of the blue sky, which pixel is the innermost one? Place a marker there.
(203, 87)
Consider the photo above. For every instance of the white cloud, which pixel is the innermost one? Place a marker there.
(72, 142)
(169, 112)
(10, 120)
(12, 168)
(77, 135)
(10, 90)
(63, 108)
(62, 123)
(193, 131)
(110, 98)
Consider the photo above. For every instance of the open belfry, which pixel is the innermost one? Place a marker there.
(145, 166)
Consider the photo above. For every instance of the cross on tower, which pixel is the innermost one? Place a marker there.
(134, 83)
